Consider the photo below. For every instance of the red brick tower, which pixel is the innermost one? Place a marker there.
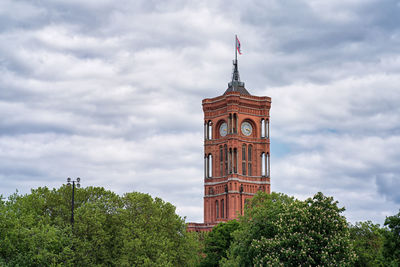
(236, 152)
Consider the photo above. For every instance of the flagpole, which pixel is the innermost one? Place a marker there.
(235, 49)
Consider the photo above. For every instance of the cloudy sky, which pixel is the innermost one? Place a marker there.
(111, 91)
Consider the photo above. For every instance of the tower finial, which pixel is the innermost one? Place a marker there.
(235, 74)
(236, 85)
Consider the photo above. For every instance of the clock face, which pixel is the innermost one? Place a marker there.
(246, 128)
(223, 129)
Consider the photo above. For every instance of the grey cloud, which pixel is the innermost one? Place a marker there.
(388, 186)
(347, 167)
(313, 41)
(112, 92)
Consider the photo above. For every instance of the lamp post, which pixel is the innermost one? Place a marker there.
(77, 181)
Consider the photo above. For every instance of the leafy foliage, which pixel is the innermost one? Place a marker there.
(368, 241)
(392, 241)
(217, 243)
(277, 230)
(110, 230)
(137, 230)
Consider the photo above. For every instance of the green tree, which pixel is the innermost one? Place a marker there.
(278, 230)
(27, 236)
(391, 245)
(368, 239)
(109, 230)
(217, 243)
(154, 235)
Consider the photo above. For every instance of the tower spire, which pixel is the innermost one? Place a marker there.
(235, 85)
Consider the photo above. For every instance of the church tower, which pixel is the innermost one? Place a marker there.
(236, 151)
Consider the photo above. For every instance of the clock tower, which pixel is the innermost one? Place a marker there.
(236, 152)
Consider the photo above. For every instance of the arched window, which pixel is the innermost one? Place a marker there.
(210, 166)
(250, 153)
(262, 128)
(267, 128)
(209, 130)
(205, 130)
(267, 169)
(216, 209)
(222, 209)
(263, 164)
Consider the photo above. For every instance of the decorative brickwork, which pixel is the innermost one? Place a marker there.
(236, 154)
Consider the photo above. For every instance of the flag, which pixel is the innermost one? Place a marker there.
(238, 46)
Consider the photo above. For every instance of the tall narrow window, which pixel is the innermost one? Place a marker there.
(249, 158)
(244, 159)
(234, 123)
(230, 160)
(221, 161)
(230, 124)
(267, 169)
(205, 166)
(250, 169)
(235, 160)
(250, 153)
(262, 128)
(205, 130)
(226, 159)
(216, 209)
(210, 165)
(222, 209)
(263, 164)
(209, 130)
(267, 128)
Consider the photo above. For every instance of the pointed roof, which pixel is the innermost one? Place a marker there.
(236, 85)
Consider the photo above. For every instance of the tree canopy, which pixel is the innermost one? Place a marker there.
(129, 230)
(137, 230)
(279, 230)
(391, 250)
(368, 241)
(217, 243)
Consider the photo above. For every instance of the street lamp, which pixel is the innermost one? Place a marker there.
(77, 181)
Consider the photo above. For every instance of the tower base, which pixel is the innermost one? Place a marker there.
(200, 227)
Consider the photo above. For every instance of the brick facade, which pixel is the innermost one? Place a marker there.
(236, 154)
